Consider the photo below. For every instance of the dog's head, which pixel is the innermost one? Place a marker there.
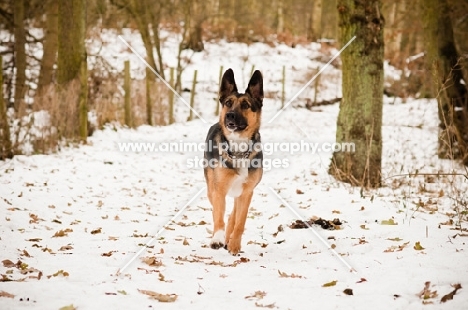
(241, 113)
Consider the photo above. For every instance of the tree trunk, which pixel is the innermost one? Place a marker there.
(329, 19)
(50, 45)
(5, 138)
(127, 96)
(360, 116)
(20, 53)
(71, 69)
(451, 92)
(195, 18)
(315, 28)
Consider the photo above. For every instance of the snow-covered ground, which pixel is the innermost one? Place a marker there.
(70, 221)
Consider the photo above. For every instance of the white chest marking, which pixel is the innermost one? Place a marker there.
(236, 186)
(237, 143)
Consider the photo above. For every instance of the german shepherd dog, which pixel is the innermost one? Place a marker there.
(234, 158)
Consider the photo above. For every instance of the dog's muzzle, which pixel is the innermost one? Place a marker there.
(233, 123)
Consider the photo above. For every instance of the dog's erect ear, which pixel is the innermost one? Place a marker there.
(255, 88)
(228, 85)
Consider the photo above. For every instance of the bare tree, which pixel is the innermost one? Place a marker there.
(360, 116)
(20, 53)
(450, 89)
(72, 68)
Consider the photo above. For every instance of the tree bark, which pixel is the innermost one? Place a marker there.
(71, 69)
(444, 62)
(50, 45)
(329, 19)
(315, 30)
(6, 150)
(360, 116)
(20, 53)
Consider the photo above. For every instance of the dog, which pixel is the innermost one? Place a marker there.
(234, 158)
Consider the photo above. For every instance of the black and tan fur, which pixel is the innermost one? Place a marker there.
(239, 121)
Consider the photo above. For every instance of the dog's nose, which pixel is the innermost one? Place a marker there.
(230, 116)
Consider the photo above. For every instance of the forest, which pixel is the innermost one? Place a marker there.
(103, 206)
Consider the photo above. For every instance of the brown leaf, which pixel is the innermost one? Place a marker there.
(96, 231)
(332, 283)
(58, 273)
(66, 248)
(426, 293)
(34, 239)
(8, 263)
(69, 307)
(185, 242)
(6, 294)
(62, 232)
(348, 291)
(257, 294)
(25, 253)
(285, 275)
(450, 295)
(271, 306)
(152, 261)
(158, 296)
(107, 254)
(299, 192)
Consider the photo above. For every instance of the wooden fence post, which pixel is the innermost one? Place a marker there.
(192, 95)
(127, 98)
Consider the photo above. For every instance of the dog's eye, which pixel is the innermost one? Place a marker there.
(245, 105)
(228, 103)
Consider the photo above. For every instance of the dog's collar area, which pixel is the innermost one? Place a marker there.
(238, 155)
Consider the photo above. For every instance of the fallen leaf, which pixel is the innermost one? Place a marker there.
(426, 293)
(34, 239)
(122, 292)
(257, 294)
(66, 248)
(185, 242)
(6, 294)
(152, 261)
(348, 291)
(159, 297)
(361, 280)
(388, 222)
(107, 254)
(62, 232)
(271, 306)
(8, 263)
(332, 283)
(418, 246)
(292, 275)
(364, 227)
(70, 307)
(96, 231)
(394, 239)
(299, 192)
(60, 272)
(450, 295)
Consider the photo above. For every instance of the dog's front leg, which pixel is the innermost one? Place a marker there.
(241, 205)
(218, 202)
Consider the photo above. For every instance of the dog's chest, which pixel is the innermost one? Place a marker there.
(236, 186)
(242, 171)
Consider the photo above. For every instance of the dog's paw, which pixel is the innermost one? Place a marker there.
(234, 246)
(217, 241)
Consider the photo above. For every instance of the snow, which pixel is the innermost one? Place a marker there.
(110, 203)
